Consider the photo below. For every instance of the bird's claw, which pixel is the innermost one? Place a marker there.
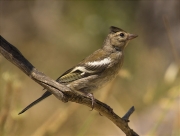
(90, 95)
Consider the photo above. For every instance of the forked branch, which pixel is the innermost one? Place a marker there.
(62, 92)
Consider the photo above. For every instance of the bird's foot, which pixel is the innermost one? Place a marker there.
(90, 95)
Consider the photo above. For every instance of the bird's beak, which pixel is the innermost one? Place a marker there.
(132, 36)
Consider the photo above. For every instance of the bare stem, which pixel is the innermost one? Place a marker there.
(174, 51)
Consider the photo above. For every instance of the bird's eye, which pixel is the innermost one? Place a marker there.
(121, 34)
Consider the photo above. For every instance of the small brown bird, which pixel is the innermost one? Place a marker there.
(97, 69)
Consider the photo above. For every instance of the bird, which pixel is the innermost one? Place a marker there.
(97, 69)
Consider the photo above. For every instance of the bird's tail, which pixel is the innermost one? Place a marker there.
(45, 95)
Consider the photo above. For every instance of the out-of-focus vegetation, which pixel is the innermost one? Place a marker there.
(55, 35)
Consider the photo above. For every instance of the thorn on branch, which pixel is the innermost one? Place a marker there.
(128, 114)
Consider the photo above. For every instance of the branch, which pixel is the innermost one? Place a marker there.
(62, 92)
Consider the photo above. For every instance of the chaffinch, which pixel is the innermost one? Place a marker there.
(97, 69)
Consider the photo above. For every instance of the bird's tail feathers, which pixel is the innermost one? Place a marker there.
(45, 95)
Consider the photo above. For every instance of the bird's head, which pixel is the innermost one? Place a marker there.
(119, 38)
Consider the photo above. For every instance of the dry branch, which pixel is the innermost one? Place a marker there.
(62, 92)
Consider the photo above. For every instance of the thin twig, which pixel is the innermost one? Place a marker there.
(173, 48)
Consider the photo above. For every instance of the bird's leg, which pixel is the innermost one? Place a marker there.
(90, 95)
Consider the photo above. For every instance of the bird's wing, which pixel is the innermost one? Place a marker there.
(84, 70)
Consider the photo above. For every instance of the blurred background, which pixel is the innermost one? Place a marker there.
(56, 35)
